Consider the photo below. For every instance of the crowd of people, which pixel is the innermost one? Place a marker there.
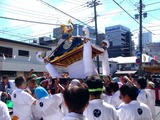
(93, 98)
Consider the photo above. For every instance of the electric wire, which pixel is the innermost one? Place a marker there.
(131, 16)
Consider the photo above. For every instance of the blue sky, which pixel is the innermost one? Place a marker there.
(108, 14)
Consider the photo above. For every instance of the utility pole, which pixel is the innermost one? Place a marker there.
(140, 36)
(140, 16)
(95, 3)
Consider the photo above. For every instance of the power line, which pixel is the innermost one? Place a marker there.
(77, 10)
(106, 2)
(42, 34)
(49, 5)
(19, 26)
(20, 13)
(70, 2)
(28, 21)
(152, 26)
(33, 36)
(27, 38)
(131, 3)
(121, 1)
(125, 11)
(153, 10)
(112, 13)
(62, 11)
(37, 12)
(156, 30)
(148, 22)
(3, 32)
(25, 25)
(30, 13)
(154, 17)
(45, 23)
(28, 10)
(152, 3)
(78, 1)
(131, 16)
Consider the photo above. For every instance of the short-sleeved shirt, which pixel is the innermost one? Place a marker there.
(49, 107)
(148, 97)
(74, 116)
(100, 110)
(151, 101)
(143, 96)
(22, 102)
(134, 111)
(115, 100)
(4, 113)
(106, 98)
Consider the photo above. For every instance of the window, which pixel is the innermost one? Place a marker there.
(123, 39)
(23, 53)
(7, 52)
(9, 73)
(122, 34)
(111, 43)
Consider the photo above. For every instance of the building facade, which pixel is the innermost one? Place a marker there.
(153, 49)
(146, 38)
(17, 58)
(120, 41)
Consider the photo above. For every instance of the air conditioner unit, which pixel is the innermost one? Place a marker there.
(44, 40)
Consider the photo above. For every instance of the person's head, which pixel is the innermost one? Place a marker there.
(75, 82)
(44, 83)
(104, 44)
(113, 86)
(5, 79)
(128, 93)
(20, 82)
(64, 82)
(76, 97)
(40, 92)
(108, 90)
(122, 80)
(150, 85)
(34, 76)
(141, 83)
(95, 86)
(31, 82)
(65, 75)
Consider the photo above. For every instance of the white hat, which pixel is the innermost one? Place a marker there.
(151, 84)
(75, 82)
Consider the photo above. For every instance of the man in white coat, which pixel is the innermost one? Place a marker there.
(22, 100)
(76, 97)
(151, 95)
(48, 106)
(115, 100)
(97, 108)
(4, 113)
(145, 96)
(132, 109)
